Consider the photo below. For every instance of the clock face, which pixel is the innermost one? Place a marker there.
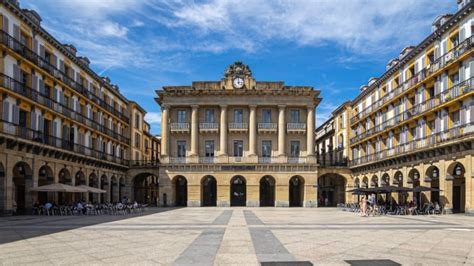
(238, 83)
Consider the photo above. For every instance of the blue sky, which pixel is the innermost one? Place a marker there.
(332, 45)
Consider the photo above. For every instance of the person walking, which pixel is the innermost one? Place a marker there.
(363, 204)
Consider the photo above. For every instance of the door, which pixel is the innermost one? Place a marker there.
(22, 124)
(209, 192)
(295, 197)
(267, 192)
(181, 192)
(456, 199)
(238, 192)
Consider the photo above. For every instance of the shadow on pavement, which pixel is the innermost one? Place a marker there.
(15, 228)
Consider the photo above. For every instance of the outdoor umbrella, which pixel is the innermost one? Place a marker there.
(422, 189)
(92, 189)
(58, 187)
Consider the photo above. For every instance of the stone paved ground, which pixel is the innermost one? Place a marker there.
(240, 236)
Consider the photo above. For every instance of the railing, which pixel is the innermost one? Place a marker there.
(296, 160)
(327, 129)
(22, 89)
(24, 51)
(454, 92)
(207, 126)
(140, 163)
(26, 133)
(439, 63)
(430, 141)
(206, 159)
(177, 160)
(179, 126)
(296, 126)
(267, 126)
(238, 126)
(332, 158)
(264, 159)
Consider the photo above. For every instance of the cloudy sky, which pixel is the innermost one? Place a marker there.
(332, 45)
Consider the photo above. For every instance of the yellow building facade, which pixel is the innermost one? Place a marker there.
(238, 142)
(414, 125)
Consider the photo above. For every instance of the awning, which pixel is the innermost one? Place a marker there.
(92, 189)
(422, 188)
(58, 187)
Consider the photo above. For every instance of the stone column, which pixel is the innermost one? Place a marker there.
(310, 131)
(281, 130)
(164, 130)
(194, 130)
(253, 130)
(223, 130)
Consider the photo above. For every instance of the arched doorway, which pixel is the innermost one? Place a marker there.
(22, 175)
(120, 188)
(80, 179)
(2, 188)
(104, 185)
(146, 189)
(365, 182)
(331, 190)
(432, 176)
(398, 181)
(65, 178)
(374, 181)
(296, 190)
(414, 180)
(114, 189)
(456, 172)
(267, 191)
(93, 182)
(238, 191)
(181, 191)
(45, 177)
(208, 191)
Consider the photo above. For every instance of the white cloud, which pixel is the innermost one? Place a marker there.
(114, 29)
(153, 118)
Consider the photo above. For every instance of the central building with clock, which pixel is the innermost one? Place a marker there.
(238, 142)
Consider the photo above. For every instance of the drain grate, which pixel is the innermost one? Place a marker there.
(286, 263)
(372, 262)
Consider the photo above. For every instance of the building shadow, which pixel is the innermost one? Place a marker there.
(15, 228)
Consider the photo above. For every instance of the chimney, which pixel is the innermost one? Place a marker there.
(70, 48)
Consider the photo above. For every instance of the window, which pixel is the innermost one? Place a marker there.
(146, 145)
(137, 121)
(238, 116)
(66, 101)
(181, 116)
(209, 116)
(181, 148)
(267, 115)
(455, 118)
(47, 56)
(266, 148)
(238, 148)
(295, 148)
(294, 116)
(454, 79)
(209, 147)
(431, 58)
(137, 140)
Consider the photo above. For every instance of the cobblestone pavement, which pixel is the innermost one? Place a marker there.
(240, 236)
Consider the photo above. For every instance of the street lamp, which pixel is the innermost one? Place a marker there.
(435, 173)
(458, 170)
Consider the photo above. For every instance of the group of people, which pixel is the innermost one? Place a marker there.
(369, 205)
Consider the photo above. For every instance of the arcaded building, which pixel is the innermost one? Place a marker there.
(238, 142)
(60, 121)
(414, 125)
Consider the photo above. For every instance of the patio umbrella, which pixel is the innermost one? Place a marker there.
(58, 187)
(423, 189)
(92, 189)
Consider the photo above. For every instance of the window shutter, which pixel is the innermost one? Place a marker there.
(6, 111)
(445, 120)
(55, 128)
(461, 73)
(444, 48)
(437, 87)
(34, 82)
(462, 34)
(35, 46)
(73, 73)
(471, 115)
(40, 123)
(5, 24)
(61, 66)
(416, 68)
(16, 32)
(463, 114)
(16, 115)
(41, 87)
(54, 60)
(42, 51)
(445, 82)
(33, 120)
(56, 94)
(436, 52)
(16, 73)
(438, 122)
(471, 69)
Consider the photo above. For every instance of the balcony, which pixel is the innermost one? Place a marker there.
(207, 160)
(267, 127)
(47, 141)
(179, 127)
(208, 127)
(265, 160)
(24, 51)
(431, 105)
(428, 71)
(297, 160)
(428, 142)
(238, 127)
(296, 127)
(44, 100)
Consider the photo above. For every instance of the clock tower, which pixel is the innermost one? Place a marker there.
(238, 76)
